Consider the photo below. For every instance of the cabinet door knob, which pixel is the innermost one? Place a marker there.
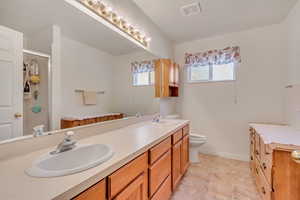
(296, 156)
(263, 190)
(264, 166)
(18, 115)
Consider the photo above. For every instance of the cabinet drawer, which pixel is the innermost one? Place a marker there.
(263, 186)
(156, 152)
(165, 190)
(123, 176)
(177, 136)
(257, 146)
(96, 192)
(136, 190)
(186, 130)
(159, 172)
(266, 161)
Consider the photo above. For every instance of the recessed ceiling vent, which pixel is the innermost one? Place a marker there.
(191, 9)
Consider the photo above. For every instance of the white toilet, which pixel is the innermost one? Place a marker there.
(196, 141)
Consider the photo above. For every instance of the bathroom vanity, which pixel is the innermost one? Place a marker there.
(275, 170)
(150, 158)
(152, 175)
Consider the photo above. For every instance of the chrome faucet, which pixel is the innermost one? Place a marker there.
(156, 118)
(38, 130)
(138, 115)
(66, 145)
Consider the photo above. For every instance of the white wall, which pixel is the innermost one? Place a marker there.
(259, 89)
(293, 66)
(40, 41)
(293, 39)
(127, 98)
(83, 67)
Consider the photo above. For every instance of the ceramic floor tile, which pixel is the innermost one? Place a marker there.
(217, 178)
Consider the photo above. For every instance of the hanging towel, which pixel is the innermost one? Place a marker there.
(90, 98)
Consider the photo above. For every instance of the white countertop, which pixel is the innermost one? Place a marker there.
(127, 143)
(278, 134)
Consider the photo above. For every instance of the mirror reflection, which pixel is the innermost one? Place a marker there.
(56, 74)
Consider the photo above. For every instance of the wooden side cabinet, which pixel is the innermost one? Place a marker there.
(166, 78)
(276, 174)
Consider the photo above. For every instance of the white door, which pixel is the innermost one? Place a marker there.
(11, 83)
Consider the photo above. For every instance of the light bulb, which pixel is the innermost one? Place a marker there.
(148, 39)
(109, 9)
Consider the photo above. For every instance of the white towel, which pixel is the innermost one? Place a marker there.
(90, 98)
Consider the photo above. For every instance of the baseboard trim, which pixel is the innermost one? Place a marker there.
(227, 155)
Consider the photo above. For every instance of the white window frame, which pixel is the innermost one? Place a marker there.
(149, 80)
(210, 75)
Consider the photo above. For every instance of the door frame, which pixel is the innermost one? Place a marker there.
(37, 53)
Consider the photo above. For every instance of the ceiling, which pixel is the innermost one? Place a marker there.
(32, 16)
(217, 16)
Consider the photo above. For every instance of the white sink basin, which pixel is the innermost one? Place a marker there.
(79, 159)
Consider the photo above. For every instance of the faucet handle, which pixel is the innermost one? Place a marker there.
(69, 135)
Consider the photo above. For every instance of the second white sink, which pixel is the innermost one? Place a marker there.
(79, 159)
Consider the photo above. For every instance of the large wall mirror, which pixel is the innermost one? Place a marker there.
(61, 68)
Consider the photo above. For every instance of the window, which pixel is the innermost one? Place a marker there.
(213, 65)
(143, 78)
(224, 72)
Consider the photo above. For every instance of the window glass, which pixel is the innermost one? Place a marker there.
(211, 73)
(223, 72)
(143, 78)
(152, 77)
(199, 73)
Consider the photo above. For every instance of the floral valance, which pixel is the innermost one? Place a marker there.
(214, 57)
(144, 66)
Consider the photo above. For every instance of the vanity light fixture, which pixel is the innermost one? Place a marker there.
(108, 14)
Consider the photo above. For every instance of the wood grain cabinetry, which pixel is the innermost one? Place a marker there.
(277, 175)
(137, 190)
(176, 164)
(159, 172)
(122, 177)
(165, 191)
(185, 154)
(166, 78)
(70, 123)
(150, 176)
(96, 192)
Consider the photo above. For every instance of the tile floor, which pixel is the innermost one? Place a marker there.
(217, 178)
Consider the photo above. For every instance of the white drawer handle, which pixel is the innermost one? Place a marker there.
(296, 156)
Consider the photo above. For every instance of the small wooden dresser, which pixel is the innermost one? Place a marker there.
(74, 122)
(276, 172)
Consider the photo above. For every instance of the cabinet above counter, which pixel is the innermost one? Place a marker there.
(166, 78)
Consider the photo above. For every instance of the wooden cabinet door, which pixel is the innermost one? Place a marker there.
(96, 192)
(137, 190)
(121, 178)
(286, 175)
(185, 154)
(162, 77)
(176, 164)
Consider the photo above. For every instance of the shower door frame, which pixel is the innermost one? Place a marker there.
(37, 53)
